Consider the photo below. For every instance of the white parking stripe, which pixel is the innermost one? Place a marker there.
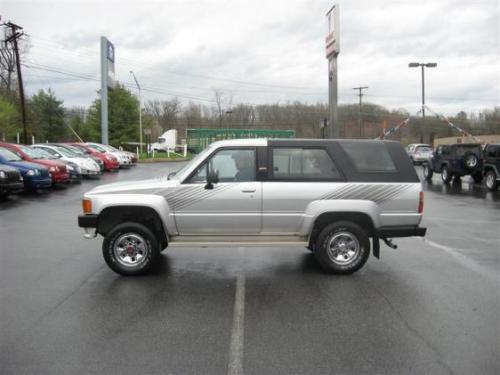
(464, 260)
(235, 366)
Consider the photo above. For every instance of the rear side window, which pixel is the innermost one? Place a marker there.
(303, 164)
(493, 151)
(369, 156)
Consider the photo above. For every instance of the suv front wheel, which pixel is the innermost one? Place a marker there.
(342, 247)
(130, 249)
(428, 172)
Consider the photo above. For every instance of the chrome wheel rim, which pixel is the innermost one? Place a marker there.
(343, 248)
(130, 250)
(445, 174)
(490, 180)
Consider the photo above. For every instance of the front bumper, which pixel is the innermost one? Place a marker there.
(87, 221)
(400, 231)
(59, 178)
(11, 187)
(38, 183)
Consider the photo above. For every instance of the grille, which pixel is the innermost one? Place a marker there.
(44, 172)
(13, 175)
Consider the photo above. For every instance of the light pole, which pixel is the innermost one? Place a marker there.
(423, 66)
(140, 111)
(361, 128)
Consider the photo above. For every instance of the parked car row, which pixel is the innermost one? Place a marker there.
(43, 165)
(461, 159)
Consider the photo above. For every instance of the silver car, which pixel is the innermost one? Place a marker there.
(331, 196)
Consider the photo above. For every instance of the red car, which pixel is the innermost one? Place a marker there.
(57, 169)
(110, 162)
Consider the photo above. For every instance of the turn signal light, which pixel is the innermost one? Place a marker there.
(421, 202)
(87, 206)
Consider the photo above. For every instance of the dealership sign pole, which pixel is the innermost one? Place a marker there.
(332, 50)
(107, 81)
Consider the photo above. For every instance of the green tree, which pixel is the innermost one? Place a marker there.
(9, 119)
(47, 117)
(123, 117)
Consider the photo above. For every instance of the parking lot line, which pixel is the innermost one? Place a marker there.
(235, 366)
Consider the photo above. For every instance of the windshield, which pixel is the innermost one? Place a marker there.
(8, 155)
(75, 150)
(44, 154)
(97, 147)
(32, 153)
(65, 152)
(180, 174)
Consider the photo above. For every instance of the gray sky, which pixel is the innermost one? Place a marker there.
(268, 51)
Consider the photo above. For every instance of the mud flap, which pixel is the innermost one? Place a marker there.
(376, 247)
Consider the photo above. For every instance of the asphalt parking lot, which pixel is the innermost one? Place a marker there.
(430, 307)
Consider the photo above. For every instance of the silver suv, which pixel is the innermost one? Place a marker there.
(331, 196)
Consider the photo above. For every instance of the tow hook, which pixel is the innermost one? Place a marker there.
(389, 243)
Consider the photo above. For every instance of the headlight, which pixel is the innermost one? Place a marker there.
(53, 169)
(31, 172)
(3, 174)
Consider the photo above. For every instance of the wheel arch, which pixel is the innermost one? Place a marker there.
(111, 216)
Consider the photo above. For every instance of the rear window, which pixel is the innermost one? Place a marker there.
(424, 149)
(303, 164)
(369, 157)
(461, 150)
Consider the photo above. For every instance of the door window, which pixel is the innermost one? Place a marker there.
(231, 165)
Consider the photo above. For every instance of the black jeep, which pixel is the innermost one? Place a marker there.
(491, 166)
(456, 160)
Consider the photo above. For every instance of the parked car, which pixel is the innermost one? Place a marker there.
(491, 166)
(82, 153)
(330, 196)
(455, 161)
(110, 162)
(123, 158)
(86, 166)
(11, 180)
(34, 175)
(419, 153)
(73, 169)
(57, 169)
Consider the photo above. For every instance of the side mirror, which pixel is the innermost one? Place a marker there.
(212, 178)
(170, 175)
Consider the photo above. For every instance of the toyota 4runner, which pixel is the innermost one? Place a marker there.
(331, 196)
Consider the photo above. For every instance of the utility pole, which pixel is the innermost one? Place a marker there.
(360, 123)
(13, 38)
(332, 43)
(423, 133)
(140, 110)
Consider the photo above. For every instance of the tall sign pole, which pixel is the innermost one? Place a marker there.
(107, 81)
(332, 50)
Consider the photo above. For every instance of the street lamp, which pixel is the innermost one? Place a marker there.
(140, 111)
(423, 66)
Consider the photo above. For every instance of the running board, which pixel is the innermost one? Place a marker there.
(232, 241)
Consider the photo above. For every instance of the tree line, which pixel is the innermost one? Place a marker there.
(50, 120)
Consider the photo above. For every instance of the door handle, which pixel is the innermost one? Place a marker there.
(248, 190)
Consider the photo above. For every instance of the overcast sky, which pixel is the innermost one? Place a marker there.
(268, 51)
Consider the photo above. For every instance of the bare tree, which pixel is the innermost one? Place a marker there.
(164, 112)
(8, 60)
(223, 102)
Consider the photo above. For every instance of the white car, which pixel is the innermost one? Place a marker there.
(124, 159)
(86, 166)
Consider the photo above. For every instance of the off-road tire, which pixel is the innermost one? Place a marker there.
(150, 243)
(491, 181)
(428, 172)
(324, 256)
(445, 175)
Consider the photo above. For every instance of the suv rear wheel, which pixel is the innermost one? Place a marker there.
(130, 249)
(491, 181)
(342, 247)
(445, 175)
